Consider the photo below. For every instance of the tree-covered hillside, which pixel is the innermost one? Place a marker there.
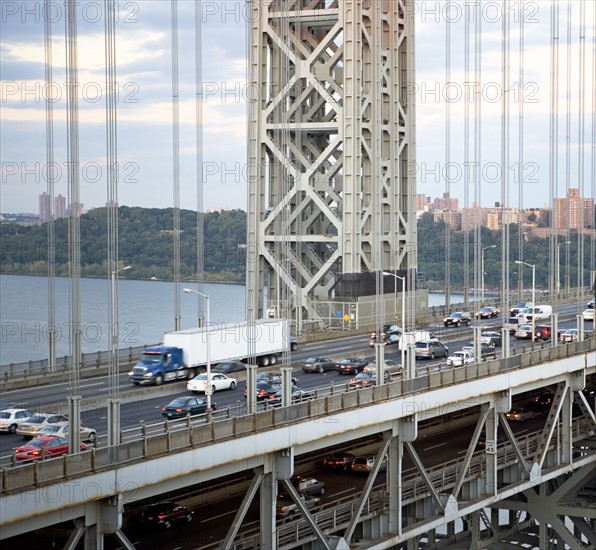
(146, 243)
(145, 237)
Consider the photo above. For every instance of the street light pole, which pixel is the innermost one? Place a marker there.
(559, 266)
(533, 296)
(403, 315)
(114, 401)
(208, 388)
(482, 274)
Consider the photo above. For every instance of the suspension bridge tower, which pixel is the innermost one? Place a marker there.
(331, 120)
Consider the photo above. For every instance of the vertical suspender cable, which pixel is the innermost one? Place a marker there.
(51, 175)
(553, 153)
(447, 162)
(592, 282)
(112, 218)
(199, 154)
(72, 134)
(477, 139)
(505, 154)
(520, 144)
(176, 160)
(581, 142)
(467, 155)
(567, 151)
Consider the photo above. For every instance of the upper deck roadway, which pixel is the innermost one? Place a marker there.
(93, 485)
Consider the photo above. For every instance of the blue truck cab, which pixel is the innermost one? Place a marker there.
(159, 364)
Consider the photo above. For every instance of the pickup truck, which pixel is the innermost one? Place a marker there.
(287, 508)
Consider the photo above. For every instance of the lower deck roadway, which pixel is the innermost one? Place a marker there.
(228, 456)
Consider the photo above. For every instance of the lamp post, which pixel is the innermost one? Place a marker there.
(403, 314)
(208, 386)
(519, 262)
(114, 401)
(559, 266)
(482, 274)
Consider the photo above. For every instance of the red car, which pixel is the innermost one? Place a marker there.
(46, 446)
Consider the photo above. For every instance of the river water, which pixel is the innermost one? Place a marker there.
(145, 312)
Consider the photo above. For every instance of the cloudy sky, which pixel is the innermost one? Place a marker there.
(145, 89)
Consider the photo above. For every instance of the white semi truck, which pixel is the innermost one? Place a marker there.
(184, 353)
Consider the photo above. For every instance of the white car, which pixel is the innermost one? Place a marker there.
(10, 419)
(588, 314)
(218, 382)
(460, 358)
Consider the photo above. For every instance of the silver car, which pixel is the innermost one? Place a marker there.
(430, 349)
(31, 425)
(87, 434)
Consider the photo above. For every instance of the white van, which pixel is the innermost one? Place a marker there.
(539, 313)
(413, 337)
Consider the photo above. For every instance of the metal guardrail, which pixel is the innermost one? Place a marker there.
(164, 440)
(91, 360)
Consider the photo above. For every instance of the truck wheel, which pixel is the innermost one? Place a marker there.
(159, 380)
(190, 374)
(272, 360)
(265, 361)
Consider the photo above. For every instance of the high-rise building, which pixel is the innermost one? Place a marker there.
(573, 212)
(45, 210)
(59, 207)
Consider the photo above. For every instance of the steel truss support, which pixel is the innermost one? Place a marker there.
(102, 518)
(315, 177)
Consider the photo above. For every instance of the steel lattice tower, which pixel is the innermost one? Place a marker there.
(331, 199)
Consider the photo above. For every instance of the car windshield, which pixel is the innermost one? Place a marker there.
(37, 442)
(201, 377)
(50, 429)
(312, 360)
(179, 402)
(35, 420)
(151, 357)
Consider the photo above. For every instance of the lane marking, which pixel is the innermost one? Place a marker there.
(435, 446)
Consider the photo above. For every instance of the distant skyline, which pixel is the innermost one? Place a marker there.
(144, 105)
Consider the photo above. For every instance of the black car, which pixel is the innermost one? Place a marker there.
(488, 312)
(265, 389)
(163, 514)
(365, 380)
(486, 350)
(228, 367)
(318, 364)
(339, 461)
(389, 335)
(298, 395)
(185, 406)
(494, 339)
(351, 366)
(272, 377)
(457, 319)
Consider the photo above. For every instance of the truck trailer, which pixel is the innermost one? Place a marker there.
(185, 353)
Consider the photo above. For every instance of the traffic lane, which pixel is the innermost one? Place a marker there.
(358, 346)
